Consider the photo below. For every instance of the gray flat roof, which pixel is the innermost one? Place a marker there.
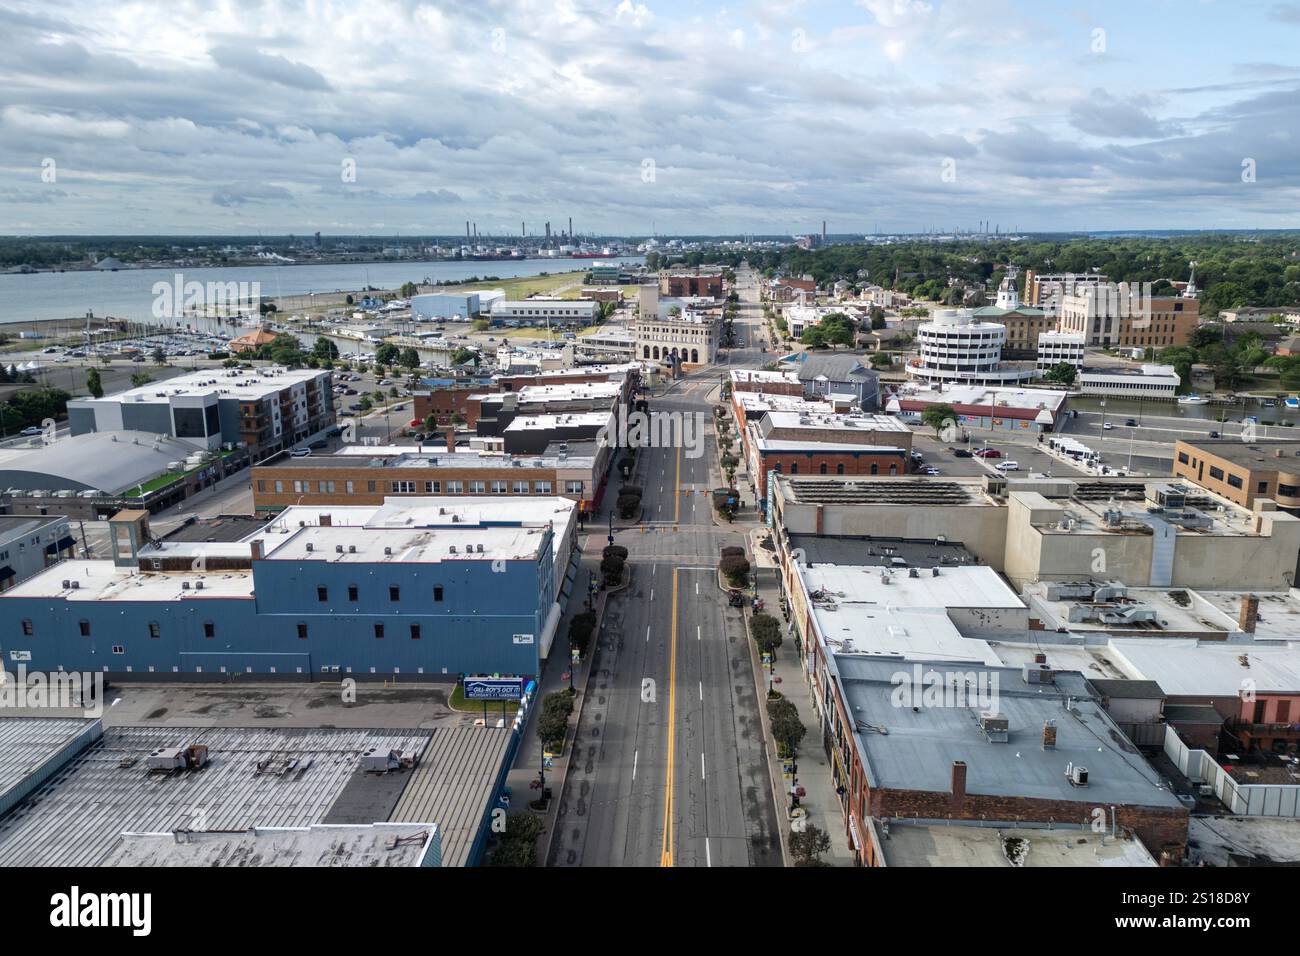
(911, 749)
(1261, 455)
(880, 552)
(453, 785)
(28, 742)
(224, 528)
(77, 818)
(105, 461)
(941, 844)
(1128, 689)
(370, 845)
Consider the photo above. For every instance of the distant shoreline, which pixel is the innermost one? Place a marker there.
(264, 264)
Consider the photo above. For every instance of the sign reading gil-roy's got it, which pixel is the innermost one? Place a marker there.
(494, 688)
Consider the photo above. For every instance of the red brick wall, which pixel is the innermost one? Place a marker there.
(853, 465)
(442, 403)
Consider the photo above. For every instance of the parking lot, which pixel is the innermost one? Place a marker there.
(1030, 458)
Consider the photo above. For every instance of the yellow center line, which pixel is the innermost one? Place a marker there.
(666, 858)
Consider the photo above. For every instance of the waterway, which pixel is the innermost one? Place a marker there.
(129, 293)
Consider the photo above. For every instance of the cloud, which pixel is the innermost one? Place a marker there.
(265, 66)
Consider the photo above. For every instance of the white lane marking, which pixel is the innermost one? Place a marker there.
(635, 754)
(652, 594)
(697, 587)
(701, 690)
(653, 569)
(708, 857)
(647, 633)
(699, 635)
(702, 774)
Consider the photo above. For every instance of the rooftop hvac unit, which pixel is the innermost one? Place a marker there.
(1038, 674)
(388, 551)
(310, 547)
(480, 549)
(452, 549)
(185, 585)
(198, 585)
(1077, 775)
(352, 549)
(66, 584)
(338, 549)
(996, 727)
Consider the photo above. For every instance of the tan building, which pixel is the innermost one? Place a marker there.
(1243, 472)
(1146, 532)
(1111, 317)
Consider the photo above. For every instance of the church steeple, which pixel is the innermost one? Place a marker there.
(1008, 297)
(1190, 292)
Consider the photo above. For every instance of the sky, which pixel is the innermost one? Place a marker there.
(635, 117)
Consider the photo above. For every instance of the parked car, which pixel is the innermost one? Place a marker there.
(300, 452)
(1107, 426)
(962, 452)
(1008, 466)
(987, 453)
(31, 430)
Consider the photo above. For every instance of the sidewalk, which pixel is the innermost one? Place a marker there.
(821, 803)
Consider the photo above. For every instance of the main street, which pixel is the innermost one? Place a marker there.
(671, 766)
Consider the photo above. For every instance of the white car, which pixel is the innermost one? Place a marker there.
(1008, 466)
(1107, 426)
(301, 452)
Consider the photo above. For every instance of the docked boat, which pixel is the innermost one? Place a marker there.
(1193, 399)
(1292, 402)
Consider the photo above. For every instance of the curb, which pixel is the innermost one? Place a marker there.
(778, 791)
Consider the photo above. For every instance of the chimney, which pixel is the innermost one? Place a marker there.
(256, 548)
(451, 439)
(1040, 658)
(958, 786)
(1249, 613)
(1049, 735)
(326, 521)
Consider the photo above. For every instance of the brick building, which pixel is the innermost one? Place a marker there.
(1243, 471)
(681, 285)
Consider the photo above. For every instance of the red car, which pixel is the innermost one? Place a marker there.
(988, 453)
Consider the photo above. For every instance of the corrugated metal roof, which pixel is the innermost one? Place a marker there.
(27, 742)
(453, 785)
(76, 819)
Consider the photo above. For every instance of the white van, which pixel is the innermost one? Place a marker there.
(1008, 466)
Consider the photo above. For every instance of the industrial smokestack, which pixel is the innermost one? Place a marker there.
(466, 230)
(570, 227)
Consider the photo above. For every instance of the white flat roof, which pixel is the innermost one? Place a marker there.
(573, 419)
(780, 418)
(907, 617)
(246, 384)
(1185, 668)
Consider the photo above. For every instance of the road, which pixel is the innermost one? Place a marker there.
(671, 767)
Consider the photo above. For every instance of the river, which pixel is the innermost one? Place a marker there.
(128, 294)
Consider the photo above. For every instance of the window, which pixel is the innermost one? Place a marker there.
(433, 487)
(27, 628)
(1182, 457)
(1288, 491)
(1263, 487)
(521, 487)
(209, 629)
(379, 632)
(119, 649)
(352, 593)
(542, 487)
(455, 487)
(403, 487)
(1234, 481)
(394, 592)
(279, 487)
(1283, 715)
(499, 487)
(261, 485)
(573, 487)
(794, 468)
(437, 592)
(415, 632)
(84, 626)
(822, 469)
(302, 632)
(370, 487)
(322, 595)
(839, 469)
(1216, 473)
(155, 631)
(476, 487)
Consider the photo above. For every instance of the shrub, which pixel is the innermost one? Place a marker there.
(581, 627)
(733, 549)
(611, 569)
(615, 551)
(766, 631)
(627, 505)
(736, 568)
(553, 721)
(787, 729)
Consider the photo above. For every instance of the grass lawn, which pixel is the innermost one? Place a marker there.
(524, 286)
(162, 481)
(458, 702)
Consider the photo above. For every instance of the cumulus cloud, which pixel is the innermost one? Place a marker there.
(763, 116)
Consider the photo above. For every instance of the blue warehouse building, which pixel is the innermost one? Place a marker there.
(445, 305)
(409, 588)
